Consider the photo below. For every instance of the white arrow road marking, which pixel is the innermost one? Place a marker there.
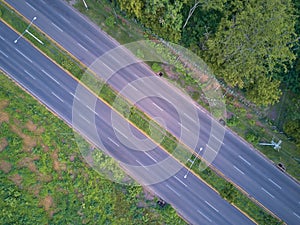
(57, 96)
(202, 214)
(180, 181)
(273, 182)
(244, 160)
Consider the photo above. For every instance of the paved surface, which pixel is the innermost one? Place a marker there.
(193, 199)
(235, 159)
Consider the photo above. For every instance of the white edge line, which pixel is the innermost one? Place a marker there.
(113, 141)
(173, 190)
(150, 156)
(267, 192)
(180, 181)
(211, 206)
(244, 160)
(238, 170)
(57, 96)
(29, 74)
(273, 182)
(202, 214)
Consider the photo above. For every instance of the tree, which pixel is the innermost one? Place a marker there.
(163, 17)
(253, 43)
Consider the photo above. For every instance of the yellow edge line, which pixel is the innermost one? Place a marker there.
(179, 141)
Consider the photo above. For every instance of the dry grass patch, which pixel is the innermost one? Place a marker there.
(17, 179)
(5, 166)
(28, 142)
(4, 117)
(3, 144)
(29, 163)
(34, 128)
(57, 166)
(48, 204)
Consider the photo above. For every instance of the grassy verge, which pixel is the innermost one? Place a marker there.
(250, 123)
(44, 178)
(140, 120)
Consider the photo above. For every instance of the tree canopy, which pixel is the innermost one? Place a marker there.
(247, 43)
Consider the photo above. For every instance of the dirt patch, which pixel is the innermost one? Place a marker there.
(28, 142)
(5, 166)
(47, 203)
(57, 166)
(31, 126)
(28, 162)
(3, 104)
(4, 117)
(35, 189)
(16, 178)
(34, 128)
(3, 144)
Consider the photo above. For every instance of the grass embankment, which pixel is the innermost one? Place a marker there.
(142, 121)
(251, 123)
(44, 178)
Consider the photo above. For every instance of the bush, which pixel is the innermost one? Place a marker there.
(156, 67)
(110, 21)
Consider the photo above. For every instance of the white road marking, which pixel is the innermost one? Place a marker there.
(29, 74)
(273, 182)
(121, 133)
(238, 170)
(2, 38)
(87, 37)
(3, 54)
(92, 110)
(82, 47)
(23, 55)
(57, 27)
(217, 139)
(189, 117)
(132, 87)
(84, 118)
(173, 190)
(142, 165)
(183, 127)
(267, 192)
(296, 215)
(107, 67)
(211, 148)
(180, 181)
(30, 6)
(244, 160)
(42, 1)
(65, 19)
(57, 96)
(157, 106)
(48, 75)
(113, 141)
(150, 156)
(211, 206)
(74, 95)
(202, 214)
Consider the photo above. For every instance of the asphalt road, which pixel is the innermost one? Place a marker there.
(62, 94)
(235, 159)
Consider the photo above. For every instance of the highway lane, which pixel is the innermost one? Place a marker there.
(236, 160)
(193, 199)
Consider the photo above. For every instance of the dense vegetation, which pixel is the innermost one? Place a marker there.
(252, 45)
(44, 179)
